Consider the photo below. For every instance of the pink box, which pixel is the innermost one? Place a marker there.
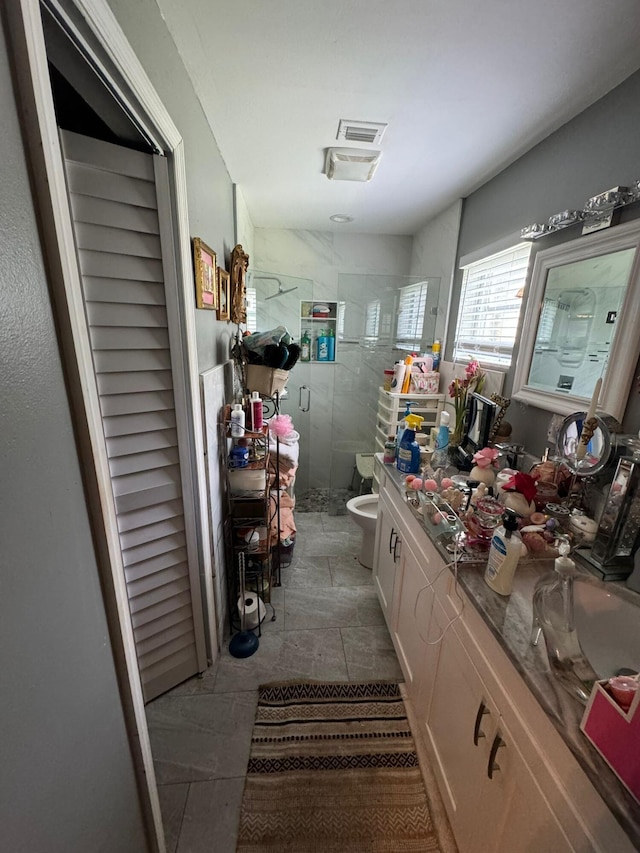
(615, 734)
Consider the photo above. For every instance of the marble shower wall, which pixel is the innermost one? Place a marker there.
(339, 421)
(354, 268)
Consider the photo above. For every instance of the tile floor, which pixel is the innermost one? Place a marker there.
(328, 626)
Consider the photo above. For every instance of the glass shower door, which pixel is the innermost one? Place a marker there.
(273, 300)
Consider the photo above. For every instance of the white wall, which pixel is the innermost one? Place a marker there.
(434, 253)
(595, 151)
(209, 187)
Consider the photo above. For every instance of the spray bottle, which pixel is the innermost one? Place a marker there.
(403, 423)
(440, 456)
(408, 449)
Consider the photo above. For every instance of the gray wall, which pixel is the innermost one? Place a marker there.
(593, 152)
(66, 774)
(209, 187)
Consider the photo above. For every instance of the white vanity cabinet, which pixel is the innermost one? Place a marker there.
(491, 797)
(507, 779)
(386, 559)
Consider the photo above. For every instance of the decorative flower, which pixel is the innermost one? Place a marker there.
(459, 390)
(522, 483)
(485, 458)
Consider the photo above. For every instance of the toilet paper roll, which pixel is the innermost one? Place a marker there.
(254, 609)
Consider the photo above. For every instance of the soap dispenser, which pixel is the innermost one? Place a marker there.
(553, 617)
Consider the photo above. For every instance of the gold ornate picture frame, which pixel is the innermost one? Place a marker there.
(223, 294)
(204, 261)
(239, 266)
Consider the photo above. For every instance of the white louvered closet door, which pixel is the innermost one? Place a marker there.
(126, 282)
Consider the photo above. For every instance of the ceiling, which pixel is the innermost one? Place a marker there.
(466, 87)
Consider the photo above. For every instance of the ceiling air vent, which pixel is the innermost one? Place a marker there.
(351, 164)
(361, 131)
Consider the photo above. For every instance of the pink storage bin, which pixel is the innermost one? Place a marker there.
(424, 383)
(615, 733)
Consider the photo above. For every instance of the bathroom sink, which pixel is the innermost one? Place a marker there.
(607, 620)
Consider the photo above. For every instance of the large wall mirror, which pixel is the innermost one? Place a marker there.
(582, 321)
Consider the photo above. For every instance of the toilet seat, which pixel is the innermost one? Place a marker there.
(365, 506)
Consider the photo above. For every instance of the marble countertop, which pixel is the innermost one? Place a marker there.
(509, 619)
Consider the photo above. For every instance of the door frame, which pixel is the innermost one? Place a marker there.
(28, 51)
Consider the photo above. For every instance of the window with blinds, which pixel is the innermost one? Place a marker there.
(372, 320)
(490, 308)
(411, 311)
(252, 308)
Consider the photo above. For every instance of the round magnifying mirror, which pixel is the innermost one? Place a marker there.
(598, 448)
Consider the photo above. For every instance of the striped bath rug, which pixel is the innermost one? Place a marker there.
(333, 769)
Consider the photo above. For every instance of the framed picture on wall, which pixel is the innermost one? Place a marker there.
(204, 260)
(239, 266)
(223, 294)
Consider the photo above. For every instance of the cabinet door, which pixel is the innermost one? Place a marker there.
(528, 822)
(387, 560)
(415, 602)
(461, 725)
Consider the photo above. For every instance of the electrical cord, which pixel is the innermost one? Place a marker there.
(453, 563)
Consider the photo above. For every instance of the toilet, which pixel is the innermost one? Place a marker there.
(364, 511)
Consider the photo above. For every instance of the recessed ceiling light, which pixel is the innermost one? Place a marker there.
(341, 218)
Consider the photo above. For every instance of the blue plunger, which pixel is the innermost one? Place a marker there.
(244, 643)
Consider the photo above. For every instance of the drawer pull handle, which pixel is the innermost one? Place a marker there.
(396, 556)
(477, 732)
(493, 765)
(391, 535)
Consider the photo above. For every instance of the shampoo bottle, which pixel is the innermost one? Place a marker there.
(305, 347)
(323, 346)
(331, 341)
(408, 449)
(440, 456)
(504, 553)
(237, 421)
(256, 412)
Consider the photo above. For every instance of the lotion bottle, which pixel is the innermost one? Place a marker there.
(397, 382)
(256, 412)
(504, 553)
(237, 421)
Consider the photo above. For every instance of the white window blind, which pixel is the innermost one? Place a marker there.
(252, 308)
(372, 320)
(489, 307)
(411, 309)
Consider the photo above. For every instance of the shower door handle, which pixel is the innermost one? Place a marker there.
(308, 406)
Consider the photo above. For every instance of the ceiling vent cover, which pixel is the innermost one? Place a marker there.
(351, 164)
(361, 131)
